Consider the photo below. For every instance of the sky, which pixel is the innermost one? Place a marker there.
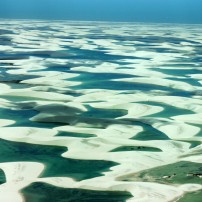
(174, 11)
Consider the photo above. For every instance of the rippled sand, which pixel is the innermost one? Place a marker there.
(101, 112)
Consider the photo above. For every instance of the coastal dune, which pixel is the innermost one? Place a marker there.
(97, 111)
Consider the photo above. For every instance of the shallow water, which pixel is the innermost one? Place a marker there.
(50, 193)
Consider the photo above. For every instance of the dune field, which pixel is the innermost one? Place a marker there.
(95, 111)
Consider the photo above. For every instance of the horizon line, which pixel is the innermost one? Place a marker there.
(102, 21)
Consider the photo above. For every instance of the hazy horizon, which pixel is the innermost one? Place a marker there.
(153, 11)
